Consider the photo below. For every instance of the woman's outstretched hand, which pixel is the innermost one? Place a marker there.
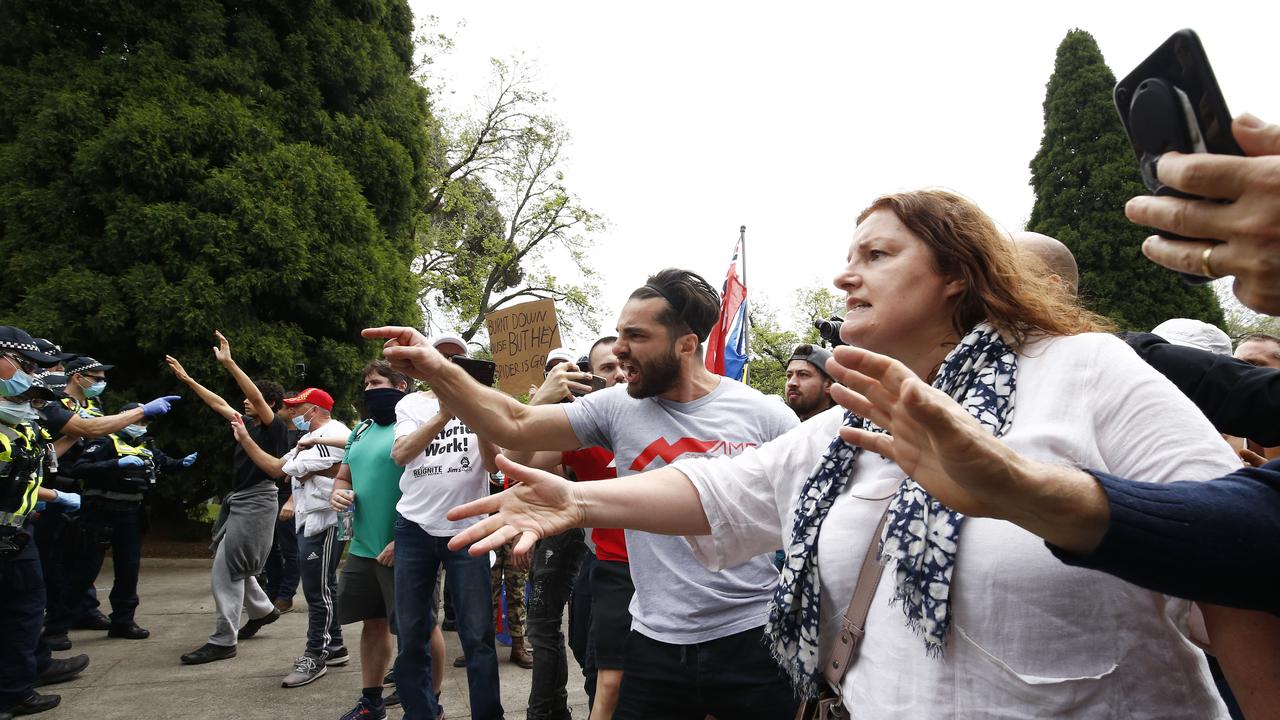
(539, 505)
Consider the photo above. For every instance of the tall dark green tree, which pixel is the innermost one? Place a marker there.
(1083, 174)
(168, 168)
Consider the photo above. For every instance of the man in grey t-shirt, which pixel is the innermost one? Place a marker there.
(695, 646)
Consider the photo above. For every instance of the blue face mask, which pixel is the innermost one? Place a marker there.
(301, 423)
(95, 389)
(16, 385)
(134, 431)
(16, 413)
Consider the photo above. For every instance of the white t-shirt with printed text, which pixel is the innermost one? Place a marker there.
(448, 473)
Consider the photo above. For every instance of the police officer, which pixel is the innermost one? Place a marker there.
(86, 381)
(25, 456)
(117, 471)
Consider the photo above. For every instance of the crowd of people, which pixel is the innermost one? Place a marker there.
(1073, 523)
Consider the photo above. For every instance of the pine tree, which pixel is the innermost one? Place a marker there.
(1083, 174)
(171, 168)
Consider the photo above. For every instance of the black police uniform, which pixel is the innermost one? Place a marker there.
(112, 515)
(24, 458)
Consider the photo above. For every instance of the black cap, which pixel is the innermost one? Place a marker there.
(52, 349)
(37, 391)
(17, 340)
(815, 355)
(129, 406)
(55, 381)
(83, 363)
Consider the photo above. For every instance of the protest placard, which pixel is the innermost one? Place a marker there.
(520, 338)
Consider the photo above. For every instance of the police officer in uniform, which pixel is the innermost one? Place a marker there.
(117, 471)
(25, 456)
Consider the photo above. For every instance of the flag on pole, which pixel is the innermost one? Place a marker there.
(727, 345)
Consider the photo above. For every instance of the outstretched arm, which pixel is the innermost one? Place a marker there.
(559, 385)
(251, 393)
(541, 505)
(490, 413)
(210, 398)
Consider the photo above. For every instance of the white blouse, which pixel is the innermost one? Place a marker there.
(1030, 636)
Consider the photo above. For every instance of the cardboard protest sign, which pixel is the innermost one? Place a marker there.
(520, 338)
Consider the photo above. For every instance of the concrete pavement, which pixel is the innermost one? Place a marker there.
(143, 678)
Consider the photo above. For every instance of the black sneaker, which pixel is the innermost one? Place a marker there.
(366, 709)
(208, 653)
(128, 632)
(389, 679)
(35, 703)
(392, 700)
(336, 655)
(93, 620)
(58, 643)
(62, 671)
(306, 670)
(252, 627)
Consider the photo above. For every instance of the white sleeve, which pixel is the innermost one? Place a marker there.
(311, 460)
(412, 412)
(1145, 428)
(748, 498)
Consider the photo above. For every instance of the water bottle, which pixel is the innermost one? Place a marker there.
(346, 518)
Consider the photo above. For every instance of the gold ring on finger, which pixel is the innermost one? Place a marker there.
(1206, 268)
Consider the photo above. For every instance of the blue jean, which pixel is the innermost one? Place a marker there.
(282, 564)
(417, 558)
(318, 557)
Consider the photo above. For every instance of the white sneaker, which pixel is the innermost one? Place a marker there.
(306, 669)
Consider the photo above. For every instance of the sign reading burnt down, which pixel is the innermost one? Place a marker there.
(520, 338)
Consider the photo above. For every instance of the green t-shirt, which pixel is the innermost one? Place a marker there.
(376, 480)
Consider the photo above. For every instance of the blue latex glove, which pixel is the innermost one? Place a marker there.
(40, 505)
(190, 460)
(159, 406)
(68, 500)
(129, 461)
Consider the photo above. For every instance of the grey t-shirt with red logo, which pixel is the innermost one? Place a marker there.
(677, 600)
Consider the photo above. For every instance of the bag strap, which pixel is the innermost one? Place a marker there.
(853, 624)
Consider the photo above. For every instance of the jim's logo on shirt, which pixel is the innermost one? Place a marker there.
(669, 451)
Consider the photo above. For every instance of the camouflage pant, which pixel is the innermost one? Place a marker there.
(504, 571)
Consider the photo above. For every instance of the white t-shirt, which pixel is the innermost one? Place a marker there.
(1030, 636)
(449, 472)
(677, 600)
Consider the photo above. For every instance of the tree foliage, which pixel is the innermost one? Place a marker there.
(255, 168)
(499, 207)
(772, 344)
(1083, 174)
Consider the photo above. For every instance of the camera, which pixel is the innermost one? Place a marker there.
(829, 330)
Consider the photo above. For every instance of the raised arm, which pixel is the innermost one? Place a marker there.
(491, 414)
(223, 353)
(407, 447)
(210, 398)
(272, 466)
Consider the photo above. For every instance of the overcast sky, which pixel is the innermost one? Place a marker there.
(689, 119)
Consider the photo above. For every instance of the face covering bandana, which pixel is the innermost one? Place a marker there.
(16, 385)
(95, 389)
(381, 404)
(134, 431)
(16, 413)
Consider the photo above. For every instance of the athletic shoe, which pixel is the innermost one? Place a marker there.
(58, 642)
(35, 703)
(366, 709)
(336, 655)
(208, 653)
(389, 679)
(306, 670)
(62, 671)
(92, 620)
(392, 700)
(460, 661)
(282, 605)
(252, 627)
(128, 632)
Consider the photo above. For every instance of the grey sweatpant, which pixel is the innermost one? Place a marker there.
(229, 596)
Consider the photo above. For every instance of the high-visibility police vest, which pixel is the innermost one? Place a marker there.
(128, 483)
(22, 452)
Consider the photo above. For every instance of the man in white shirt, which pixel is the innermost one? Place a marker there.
(445, 464)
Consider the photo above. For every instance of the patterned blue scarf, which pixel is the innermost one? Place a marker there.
(920, 535)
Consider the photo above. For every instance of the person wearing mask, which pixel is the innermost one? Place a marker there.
(118, 471)
(25, 661)
(242, 533)
(311, 467)
(86, 381)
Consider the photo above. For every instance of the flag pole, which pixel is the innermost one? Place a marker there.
(746, 320)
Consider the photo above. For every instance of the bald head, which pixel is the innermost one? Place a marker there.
(1053, 254)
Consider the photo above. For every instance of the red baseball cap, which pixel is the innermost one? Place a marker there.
(315, 396)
